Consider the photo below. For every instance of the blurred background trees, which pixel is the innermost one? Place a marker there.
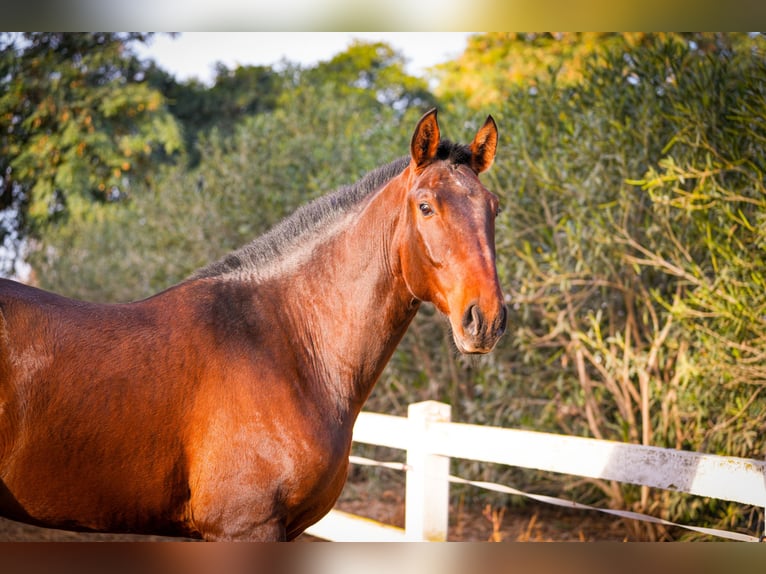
(630, 246)
(78, 126)
(78, 120)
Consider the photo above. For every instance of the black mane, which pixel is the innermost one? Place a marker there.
(284, 236)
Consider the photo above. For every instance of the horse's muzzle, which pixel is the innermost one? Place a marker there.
(480, 333)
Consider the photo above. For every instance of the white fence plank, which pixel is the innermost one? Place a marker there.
(727, 478)
(382, 430)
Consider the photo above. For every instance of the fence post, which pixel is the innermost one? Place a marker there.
(427, 491)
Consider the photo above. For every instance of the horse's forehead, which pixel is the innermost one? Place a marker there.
(448, 179)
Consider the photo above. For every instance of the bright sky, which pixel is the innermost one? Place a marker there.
(193, 54)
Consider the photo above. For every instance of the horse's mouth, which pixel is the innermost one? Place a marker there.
(470, 347)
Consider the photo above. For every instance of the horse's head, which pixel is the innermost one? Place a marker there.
(448, 255)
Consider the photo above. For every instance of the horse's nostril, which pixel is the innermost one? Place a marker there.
(472, 320)
(503, 320)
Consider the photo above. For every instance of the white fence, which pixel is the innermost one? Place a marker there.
(430, 440)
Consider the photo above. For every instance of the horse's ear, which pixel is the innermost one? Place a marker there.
(425, 140)
(484, 146)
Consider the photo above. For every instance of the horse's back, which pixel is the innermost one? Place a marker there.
(51, 339)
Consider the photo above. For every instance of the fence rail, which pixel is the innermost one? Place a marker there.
(430, 440)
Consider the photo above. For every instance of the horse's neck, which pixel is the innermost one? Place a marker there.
(357, 307)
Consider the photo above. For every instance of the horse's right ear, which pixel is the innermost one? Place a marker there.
(425, 140)
(484, 146)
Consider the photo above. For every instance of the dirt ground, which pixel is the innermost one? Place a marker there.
(534, 522)
(539, 524)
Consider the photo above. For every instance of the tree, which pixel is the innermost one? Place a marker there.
(709, 199)
(235, 94)
(496, 62)
(78, 123)
(374, 70)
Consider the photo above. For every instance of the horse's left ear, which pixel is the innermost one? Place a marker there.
(484, 146)
(425, 140)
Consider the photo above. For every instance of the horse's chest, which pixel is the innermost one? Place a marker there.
(317, 478)
(317, 467)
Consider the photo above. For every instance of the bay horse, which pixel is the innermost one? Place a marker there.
(223, 407)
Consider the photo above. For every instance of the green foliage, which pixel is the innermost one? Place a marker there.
(77, 122)
(234, 95)
(498, 62)
(374, 71)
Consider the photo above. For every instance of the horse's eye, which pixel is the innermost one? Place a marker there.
(498, 211)
(426, 209)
